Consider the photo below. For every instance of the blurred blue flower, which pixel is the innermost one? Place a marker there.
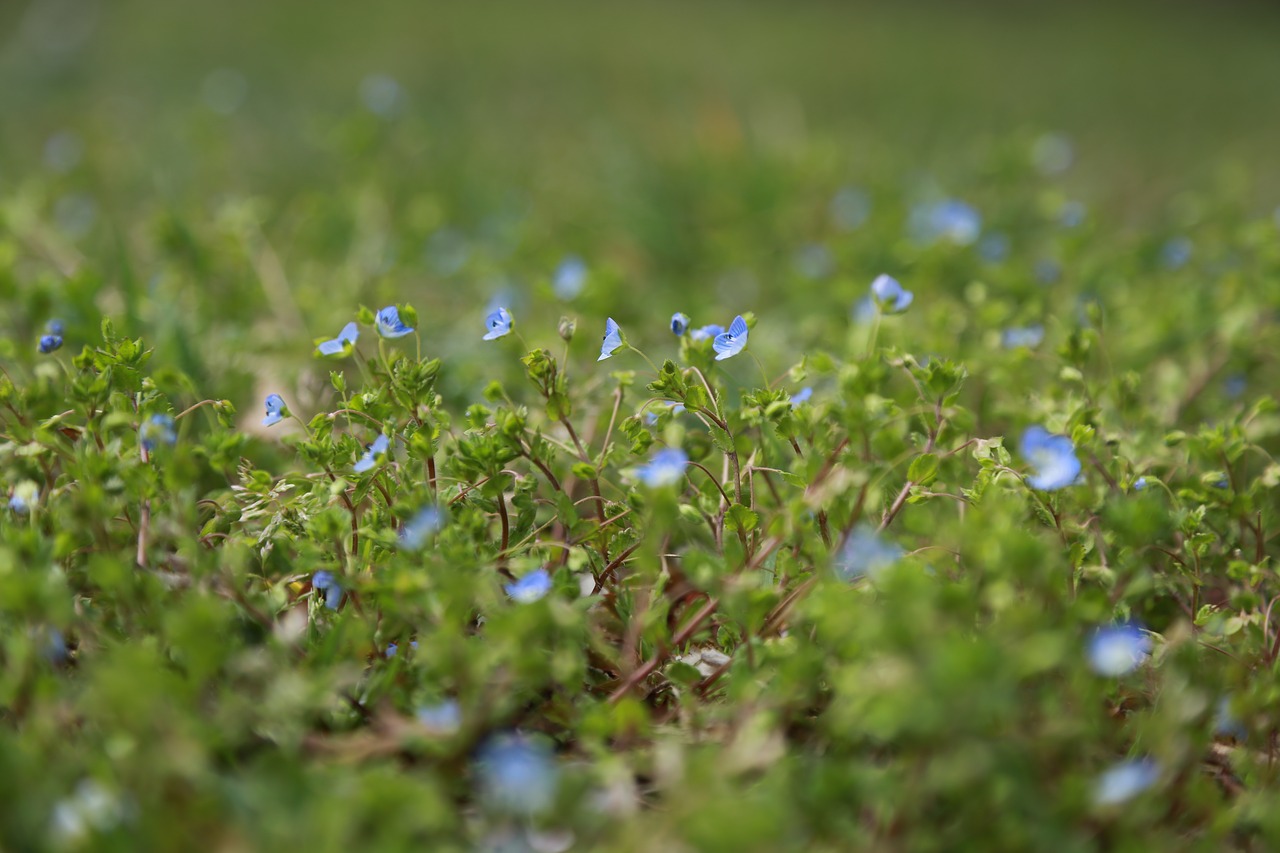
(53, 646)
(1176, 253)
(801, 396)
(342, 344)
(1047, 271)
(517, 775)
(370, 457)
(49, 343)
(889, 295)
(849, 208)
(1227, 724)
(1022, 336)
(417, 531)
(666, 468)
(679, 323)
(394, 648)
(1052, 456)
(1052, 154)
(54, 327)
(952, 220)
(1115, 650)
(1124, 781)
(612, 339)
(712, 331)
(1072, 214)
(499, 323)
(157, 429)
(442, 718)
(651, 416)
(730, 343)
(866, 554)
(390, 325)
(994, 247)
(1139, 484)
(529, 588)
(813, 261)
(1235, 385)
(328, 584)
(864, 310)
(24, 495)
(276, 410)
(381, 95)
(569, 278)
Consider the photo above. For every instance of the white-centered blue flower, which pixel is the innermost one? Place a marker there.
(1116, 650)
(712, 331)
(157, 429)
(443, 718)
(1052, 456)
(679, 323)
(529, 588)
(1124, 781)
(499, 323)
(866, 554)
(276, 410)
(666, 468)
(1022, 336)
(517, 775)
(889, 295)
(612, 339)
(801, 396)
(343, 343)
(371, 454)
(328, 584)
(417, 531)
(390, 325)
(730, 343)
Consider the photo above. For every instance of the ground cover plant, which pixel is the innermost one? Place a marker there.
(712, 491)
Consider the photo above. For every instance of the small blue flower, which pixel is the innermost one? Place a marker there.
(24, 495)
(1022, 336)
(49, 343)
(1047, 271)
(730, 343)
(612, 339)
(443, 718)
(328, 584)
(342, 344)
(849, 208)
(994, 248)
(866, 554)
(157, 429)
(865, 310)
(651, 416)
(517, 775)
(814, 261)
(54, 327)
(679, 323)
(18, 504)
(1227, 724)
(952, 220)
(1115, 650)
(1053, 457)
(1124, 781)
(499, 323)
(666, 468)
(529, 588)
(276, 410)
(370, 458)
(1176, 253)
(53, 645)
(569, 278)
(390, 325)
(1140, 484)
(1072, 214)
(1235, 385)
(712, 331)
(394, 648)
(890, 296)
(801, 396)
(417, 531)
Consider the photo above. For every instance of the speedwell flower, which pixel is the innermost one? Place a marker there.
(665, 468)
(889, 295)
(732, 342)
(569, 278)
(418, 530)
(343, 343)
(801, 396)
(390, 325)
(499, 323)
(1025, 336)
(157, 429)
(517, 775)
(529, 588)
(1115, 650)
(276, 410)
(444, 718)
(1053, 457)
(370, 458)
(49, 343)
(612, 339)
(328, 584)
(866, 554)
(1125, 780)
(679, 323)
(713, 330)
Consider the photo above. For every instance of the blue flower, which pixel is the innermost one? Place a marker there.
(801, 396)
(1072, 214)
(1175, 253)
(864, 310)
(276, 410)
(666, 468)
(443, 718)
(415, 532)
(1140, 484)
(328, 584)
(1227, 724)
(499, 323)
(612, 339)
(849, 208)
(157, 429)
(1124, 781)
(1047, 271)
(651, 416)
(24, 495)
(54, 327)
(379, 446)
(1053, 457)
(866, 554)
(712, 331)
(529, 588)
(49, 343)
(517, 775)
(1235, 385)
(994, 248)
(1115, 650)
(813, 261)
(390, 325)
(342, 344)
(569, 278)
(679, 323)
(952, 220)
(730, 343)
(1024, 336)
(889, 295)
(394, 648)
